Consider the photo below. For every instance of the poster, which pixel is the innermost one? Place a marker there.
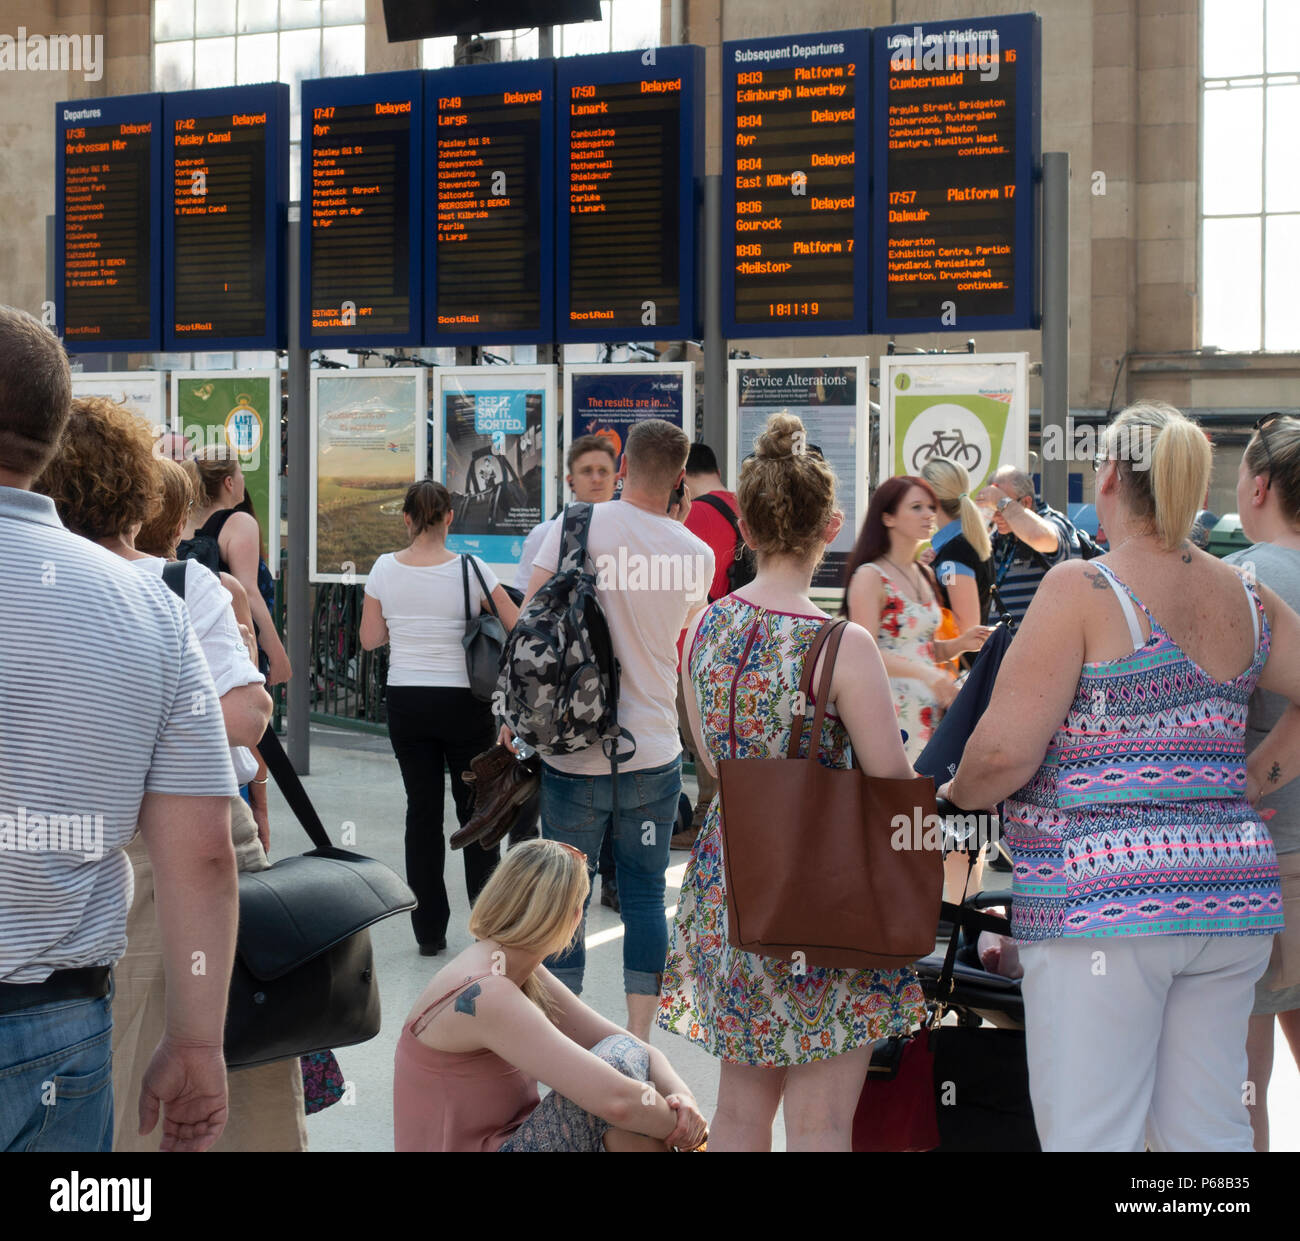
(143, 391)
(830, 396)
(368, 445)
(494, 450)
(971, 409)
(240, 409)
(610, 400)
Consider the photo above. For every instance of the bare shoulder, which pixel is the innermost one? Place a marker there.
(240, 525)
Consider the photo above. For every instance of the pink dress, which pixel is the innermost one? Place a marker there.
(455, 1100)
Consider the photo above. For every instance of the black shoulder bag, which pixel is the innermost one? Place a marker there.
(484, 640)
(304, 973)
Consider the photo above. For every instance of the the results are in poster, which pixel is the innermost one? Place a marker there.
(240, 411)
(494, 450)
(973, 410)
(368, 446)
(609, 400)
(829, 395)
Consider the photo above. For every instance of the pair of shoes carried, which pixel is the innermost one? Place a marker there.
(609, 893)
(432, 950)
(502, 784)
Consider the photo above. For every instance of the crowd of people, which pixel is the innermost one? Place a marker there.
(1140, 739)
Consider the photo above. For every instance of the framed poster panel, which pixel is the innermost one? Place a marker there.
(494, 450)
(969, 408)
(144, 392)
(609, 400)
(241, 410)
(369, 443)
(829, 395)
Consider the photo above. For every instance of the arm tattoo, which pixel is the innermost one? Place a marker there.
(465, 1000)
(1098, 581)
(1273, 773)
(1187, 553)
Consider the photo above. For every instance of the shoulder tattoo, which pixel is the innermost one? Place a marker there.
(1187, 552)
(1097, 579)
(465, 1000)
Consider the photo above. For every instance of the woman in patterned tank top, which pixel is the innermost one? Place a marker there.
(1146, 890)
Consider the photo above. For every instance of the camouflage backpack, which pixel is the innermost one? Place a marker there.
(558, 688)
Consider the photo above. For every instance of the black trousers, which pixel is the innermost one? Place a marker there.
(432, 727)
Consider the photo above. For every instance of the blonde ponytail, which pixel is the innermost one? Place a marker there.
(1164, 464)
(951, 485)
(1180, 472)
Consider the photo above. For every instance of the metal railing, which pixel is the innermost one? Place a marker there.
(347, 683)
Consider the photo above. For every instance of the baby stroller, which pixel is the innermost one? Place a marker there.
(963, 1085)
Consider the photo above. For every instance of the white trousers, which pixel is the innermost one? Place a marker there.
(1141, 1041)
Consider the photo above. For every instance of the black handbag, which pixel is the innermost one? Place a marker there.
(304, 975)
(484, 640)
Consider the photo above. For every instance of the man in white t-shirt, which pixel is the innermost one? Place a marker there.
(652, 576)
(590, 462)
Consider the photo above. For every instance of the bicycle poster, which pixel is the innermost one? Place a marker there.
(368, 445)
(830, 396)
(241, 411)
(610, 399)
(970, 409)
(494, 450)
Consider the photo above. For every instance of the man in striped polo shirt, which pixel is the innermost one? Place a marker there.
(108, 719)
(1031, 538)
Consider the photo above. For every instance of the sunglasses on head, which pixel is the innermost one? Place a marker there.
(1261, 425)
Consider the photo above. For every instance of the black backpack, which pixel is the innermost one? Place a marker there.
(558, 688)
(203, 548)
(744, 566)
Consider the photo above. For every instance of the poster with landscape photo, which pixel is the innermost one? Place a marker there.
(368, 445)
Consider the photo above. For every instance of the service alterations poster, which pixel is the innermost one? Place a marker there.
(971, 409)
(829, 395)
(368, 445)
(609, 400)
(494, 450)
(239, 410)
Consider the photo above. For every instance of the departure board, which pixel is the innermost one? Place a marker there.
(361, 210)
(957, 143)
(489, 175)
(795, 210)
(226, 174)
(631, 143)
(108, 235)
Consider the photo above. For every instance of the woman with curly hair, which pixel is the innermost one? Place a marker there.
(106, 484)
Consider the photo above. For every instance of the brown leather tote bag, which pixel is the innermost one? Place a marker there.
(808, 856)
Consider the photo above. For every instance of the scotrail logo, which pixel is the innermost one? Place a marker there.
(57, 53)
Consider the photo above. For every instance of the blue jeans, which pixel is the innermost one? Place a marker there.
(576, 810)
(56, 1077)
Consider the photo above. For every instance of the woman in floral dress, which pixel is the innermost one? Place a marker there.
(893, 597)
(778, 1031)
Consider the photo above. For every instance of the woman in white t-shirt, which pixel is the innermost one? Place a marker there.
(415, 602)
